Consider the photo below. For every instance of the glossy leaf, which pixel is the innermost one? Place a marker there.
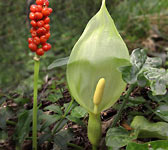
(131, 73)
(144, 71)
(97, 54)
(162, 110)
(158, 80)
(155, 145)
(58, 63)
(118, 137)
(148, 129)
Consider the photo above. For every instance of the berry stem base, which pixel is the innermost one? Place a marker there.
(36, 74)
(94, 130)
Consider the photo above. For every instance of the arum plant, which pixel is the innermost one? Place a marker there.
(40, 32)
(92, 71)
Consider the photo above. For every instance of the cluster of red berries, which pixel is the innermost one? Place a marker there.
(40, 30)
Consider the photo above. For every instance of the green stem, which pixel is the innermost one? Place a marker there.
(75, 146)
(18, 147)
(126, 97)
(94, 147)
(36, 74)
(95, 109)
(9, 122)
(94, 130)
(63, 117)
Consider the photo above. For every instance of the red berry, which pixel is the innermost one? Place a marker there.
(32, 29)
(40, 52)
(46, 2)
(33, 47)
(39, 2)
(39, 8)
(31, 15)
(47, 27)
(38, 16)
(45, 12)
(48, 35)
(33, 23)
(47, 20)
(33, 8)
(41, 31)
(36, 40)
(30, 40)
(34, 34)
(46, 47)
(50, 10)
(40, 23)
(43, 39)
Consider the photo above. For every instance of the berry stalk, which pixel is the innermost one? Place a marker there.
(36, 74)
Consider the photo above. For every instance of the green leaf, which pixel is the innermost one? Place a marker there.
(2, 100)
(61, 125)
(155, 145)
(162, 110)
(158, 80)
(54, 108)
(158, 98)
(62, 138)
(58, 63)
(49, 120)
(144, 71)
(44, 137)
(21, 100)
(79, 112)
(3, 118)
(97, 54)
(54, 97)
(130, 73)
(148, 129)
(3, 136)
(118, 137)
(23, 126)
(5, 114)
(138, 58)
(75, 119)
(66, 105)
(137, 100)
(154, 62)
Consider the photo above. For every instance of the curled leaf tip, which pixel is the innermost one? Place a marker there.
(103, 3)
(99, 92)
